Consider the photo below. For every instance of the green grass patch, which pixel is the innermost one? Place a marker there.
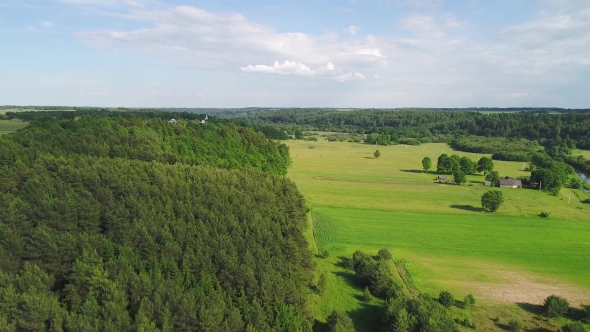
(7, 127)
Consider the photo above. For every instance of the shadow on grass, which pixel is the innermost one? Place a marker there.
(348, 277)
(414, 171)
(369, 158)
(467, 208)
(504, 327)
(540, 329)
(366, 318)
(532, 308)
(344, 262)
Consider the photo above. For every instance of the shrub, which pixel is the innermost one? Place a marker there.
(544, 214)
(459, 177)
(325, 254)
(573, 327)
(339, 321)
(367, 295)
(322, 283)
(468, 301)
(555, 306)
(384, 254)
(445, 298)
(515, 324)
(492, 200)
(377, 154)
(496, 319)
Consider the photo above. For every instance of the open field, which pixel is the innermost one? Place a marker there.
(508, 260)
(9, 127)
(585, 153)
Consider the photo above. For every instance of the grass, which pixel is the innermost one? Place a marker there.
(439, 230)
(9, 127)
(585, 153)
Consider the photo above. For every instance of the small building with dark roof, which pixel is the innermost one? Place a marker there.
(442, 178)
(510, 183)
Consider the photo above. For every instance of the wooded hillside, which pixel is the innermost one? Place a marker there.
(116, 225)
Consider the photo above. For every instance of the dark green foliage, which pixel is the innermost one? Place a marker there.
(426, 164)
(95, 236)
(298, 134)
(494, 178)
(459, 177)
(443, 165)
(221, 145)
(468, 301)
(375, 275)
(379, 139)
(515, 324)
(339, 321)
(549, 179)
(325, 254)
(544, 214)
(555, 306)
(575, 183)
(367, 297)
(485, 165)
(272, 132)
(416, 315)
(446, 299)
(573, 327)
(491, 200)
(468, 166)
(409, 141)
(377, 154)
(384, 254)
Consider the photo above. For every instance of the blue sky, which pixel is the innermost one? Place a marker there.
(349, 53)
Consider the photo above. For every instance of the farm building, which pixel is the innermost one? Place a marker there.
(510, 183)
(16, 120)
(442, 178)
(487, 183)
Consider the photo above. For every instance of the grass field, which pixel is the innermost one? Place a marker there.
(509, 257)
(9, 127)
(585, 153)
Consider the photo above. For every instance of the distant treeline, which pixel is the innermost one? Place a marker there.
(538, 124)
(115, 224)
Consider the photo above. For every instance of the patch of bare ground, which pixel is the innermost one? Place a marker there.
(523, 287)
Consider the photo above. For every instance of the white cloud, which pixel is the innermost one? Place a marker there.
(46, 24)
(352, 29)
(350, 77)
(287, 68)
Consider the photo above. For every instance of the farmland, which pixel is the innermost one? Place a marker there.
(9, 127)
(509, 257)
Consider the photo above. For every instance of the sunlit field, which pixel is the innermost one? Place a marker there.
(9, 127)
(439, 230)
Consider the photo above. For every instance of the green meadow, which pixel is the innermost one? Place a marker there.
(9, 127)
(439, 230)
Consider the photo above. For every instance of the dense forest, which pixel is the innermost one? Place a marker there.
(533, 125)
(113, 224)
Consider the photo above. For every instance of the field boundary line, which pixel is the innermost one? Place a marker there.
(315, 244)
(329, 178)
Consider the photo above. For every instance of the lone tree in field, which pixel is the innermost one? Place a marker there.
(485, 165)
(459, 177)
(556, 306)
(445, 298)
(443, 165)
(492, 200)
(426, 164)
(377, 154)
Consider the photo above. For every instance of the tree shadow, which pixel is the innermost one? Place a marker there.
(540, 329)
(320, 326)
(504, 327)
(366, 318)
(348, 277)
(467, 208)
(345, 262)
(369, 157)
(532, 308)
(414, 171)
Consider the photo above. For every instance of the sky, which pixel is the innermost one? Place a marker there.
(322, 53)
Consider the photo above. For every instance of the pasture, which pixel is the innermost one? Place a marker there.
(9, 127)
(509, 257)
